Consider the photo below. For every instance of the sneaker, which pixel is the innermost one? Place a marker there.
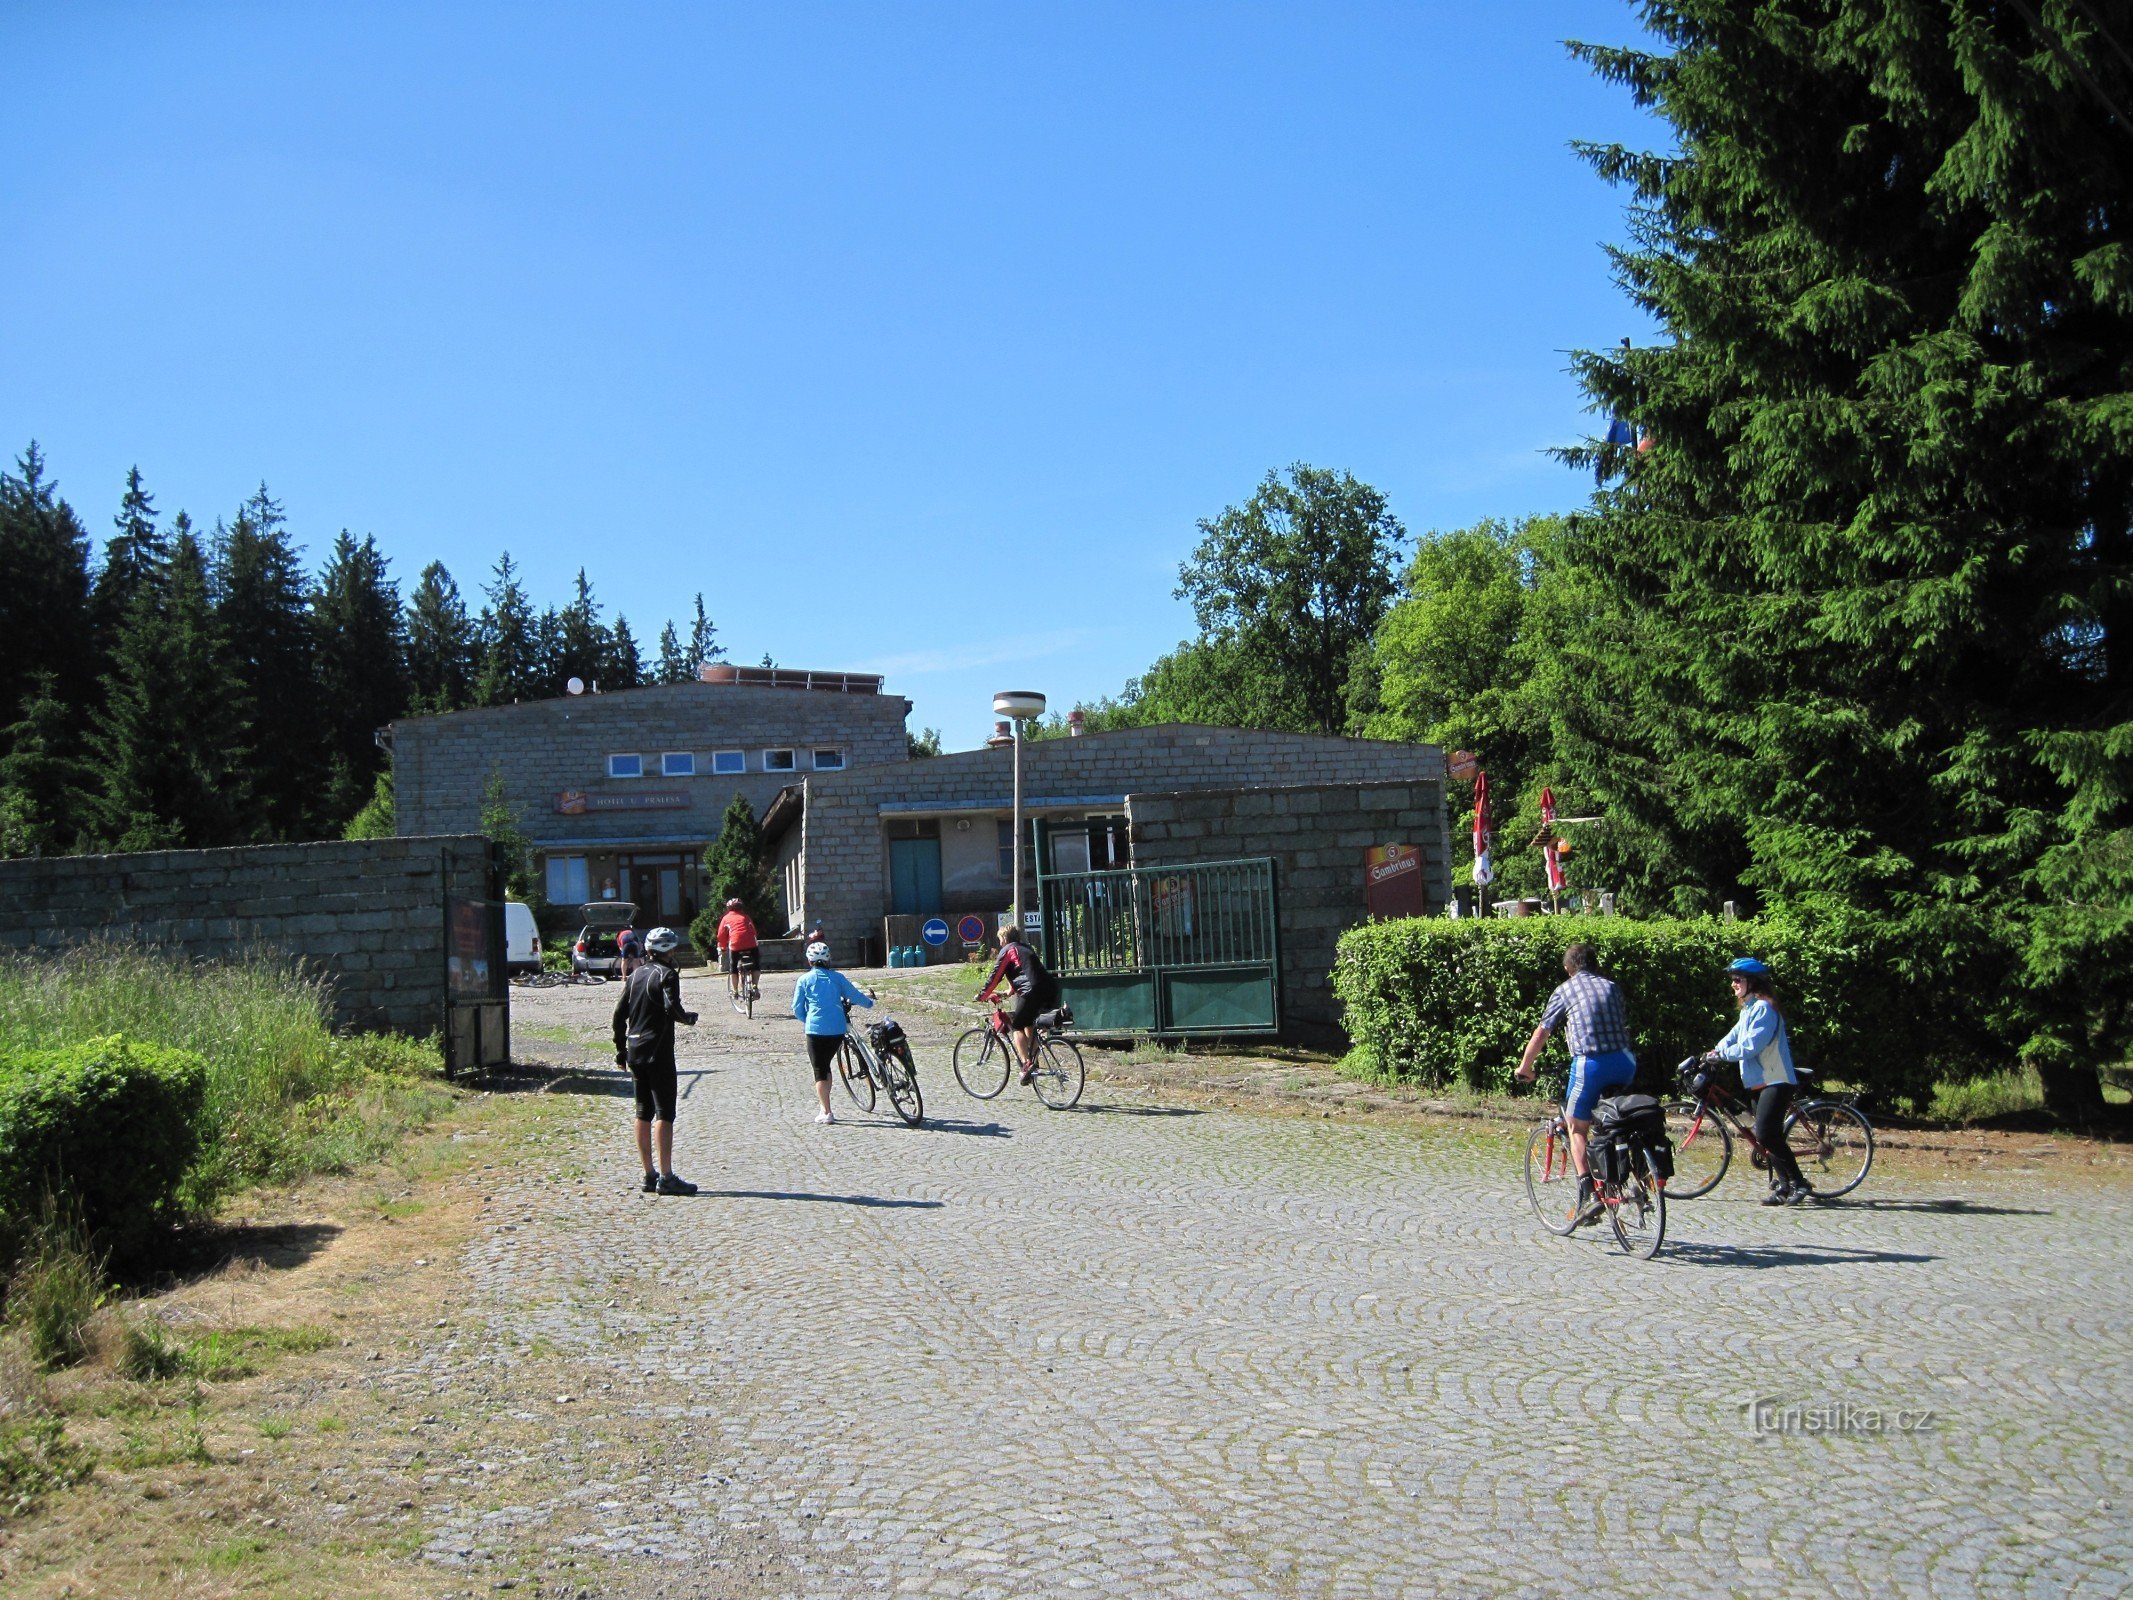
(1028, 1073)
(1778, 1197)
(825, 1116)
(1798, 1194)
(1587, 1210)
(651, 1183)
(671, 1184)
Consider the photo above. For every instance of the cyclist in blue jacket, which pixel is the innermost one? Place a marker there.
(818, 1000)
(1762, 1044)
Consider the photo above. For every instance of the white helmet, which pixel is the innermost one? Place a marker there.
(818, 954)
(662, 941)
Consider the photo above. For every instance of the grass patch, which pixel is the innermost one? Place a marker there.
(275, 1427)
(37, 1459)
(56, 1289)
(231, 1554)
(285, 1095)
(169, 1437)
(151, 1355)
(2003, 1094)
(331, 1425)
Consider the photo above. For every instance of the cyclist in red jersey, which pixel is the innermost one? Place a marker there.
(739, 950)
(1036, 990)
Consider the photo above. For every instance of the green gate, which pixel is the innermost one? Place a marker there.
(1166, 950)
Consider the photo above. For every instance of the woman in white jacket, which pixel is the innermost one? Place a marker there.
(1762, 1044)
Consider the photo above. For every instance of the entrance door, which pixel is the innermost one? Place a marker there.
(670, 894)
(915, 877)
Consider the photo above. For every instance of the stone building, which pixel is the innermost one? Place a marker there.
(621, 792)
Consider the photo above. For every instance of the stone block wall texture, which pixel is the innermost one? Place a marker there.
(1317, 834)
(546, 747)
(367, 915)
(844, 865)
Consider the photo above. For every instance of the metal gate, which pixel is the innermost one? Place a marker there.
(1166, 950)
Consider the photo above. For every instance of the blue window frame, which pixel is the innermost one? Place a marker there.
(625, 766)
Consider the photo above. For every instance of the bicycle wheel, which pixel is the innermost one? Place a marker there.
(981, 1063)
(900, 1076)
(737, 996)
(1637, 1212)
(1703, 1148)
(852, 1066)
(1059, 1074)
(1834, 1145)
(1551, 1181)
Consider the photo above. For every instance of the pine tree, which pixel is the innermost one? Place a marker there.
(362, 668)
(44, 589)
(133, 562)
(703, 639)
(168, 738)
(263, 625)
(624, 668)
(581, 644)
(673, 665)
(734, 865)
(378, 818)
(46, 790)
(1862, 619)
(508, 640)
(503, 824)
(442, 652)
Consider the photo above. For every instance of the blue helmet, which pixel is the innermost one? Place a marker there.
(1749, 966)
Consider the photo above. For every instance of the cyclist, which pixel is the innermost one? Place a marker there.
(1035, 988)
(818, 1000)
(1762, 1044)
(1598, 1022)
(739, 950)
(644, 1043)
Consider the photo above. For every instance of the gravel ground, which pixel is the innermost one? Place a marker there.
(1152, 1347)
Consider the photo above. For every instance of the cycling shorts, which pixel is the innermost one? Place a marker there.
(822, 1051)
(1593, 1076)
(747, 960)
(1028, 1007)
(656, 1097)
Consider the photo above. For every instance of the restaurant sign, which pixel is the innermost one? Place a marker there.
(1392, 880)
(576, 802)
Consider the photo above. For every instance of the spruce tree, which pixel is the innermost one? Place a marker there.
(703, 639)
(46, 789)
(442, 651)
(1862, 619)
(44, 590)
(263, 626)
(133, 562)
(581, 643)
(508, 641)
(168, 739)
(624, 668)
(734, 864)
(362, 668)
(673, 665)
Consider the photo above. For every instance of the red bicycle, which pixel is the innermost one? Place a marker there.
(1830, 1139)
(986, 1055)
(1628, 1179)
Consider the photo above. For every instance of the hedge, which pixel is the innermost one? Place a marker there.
(108, 1127)
(1437, 1001)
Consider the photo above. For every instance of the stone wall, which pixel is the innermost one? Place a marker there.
(844, 872)
(367, 914)
(545, 748)
(1317, 834)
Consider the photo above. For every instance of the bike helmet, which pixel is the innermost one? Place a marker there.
(733, 904)
(818, 954)
(662, 941)
(1748, 966)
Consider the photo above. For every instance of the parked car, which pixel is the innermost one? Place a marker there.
(522, 940)
(594, 950)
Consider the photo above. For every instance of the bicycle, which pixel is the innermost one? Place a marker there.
(1830, 1139)
(882, 1060)
(986, 1055)
(1633, 1200)
(743, 995)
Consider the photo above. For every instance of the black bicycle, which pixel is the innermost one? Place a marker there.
(985, 1057)
(881, 1061)
(1830, 1139)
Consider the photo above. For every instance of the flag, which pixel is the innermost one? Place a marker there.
(1483, 872)
(1620, 431)
(1556, 881)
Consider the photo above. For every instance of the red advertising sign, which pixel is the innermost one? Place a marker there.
(1392, 880)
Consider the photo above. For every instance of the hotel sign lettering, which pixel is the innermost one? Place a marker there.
(576, 802)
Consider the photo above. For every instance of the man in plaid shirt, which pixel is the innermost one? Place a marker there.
(1600, 1060)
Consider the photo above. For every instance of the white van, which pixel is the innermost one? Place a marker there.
(522, 939)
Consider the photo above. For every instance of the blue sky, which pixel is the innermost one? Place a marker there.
(916, 336)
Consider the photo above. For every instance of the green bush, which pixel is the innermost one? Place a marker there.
(1441, 1002)
(108, 1128)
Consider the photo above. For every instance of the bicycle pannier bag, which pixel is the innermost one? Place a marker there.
(1659, 1158)
(1607, 1159)
(1631, 1116)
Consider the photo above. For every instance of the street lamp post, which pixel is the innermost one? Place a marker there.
(1018, 705)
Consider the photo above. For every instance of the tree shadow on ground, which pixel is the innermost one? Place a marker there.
(203, 1251)
(974, 1130)
(1950, 1208)
(1758, 1256)
(600, 1082)
(1112, 1108)
(872, 1202)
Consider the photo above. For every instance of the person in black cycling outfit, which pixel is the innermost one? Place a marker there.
(644, 1042)
(1036, 990)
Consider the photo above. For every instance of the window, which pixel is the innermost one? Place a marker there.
(678, 764)
(829, 760)
(625, 766)
(724, 761)
(1007, 849)
(567, 883)
(780, 761)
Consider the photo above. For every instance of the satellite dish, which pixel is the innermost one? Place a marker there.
(575, 685)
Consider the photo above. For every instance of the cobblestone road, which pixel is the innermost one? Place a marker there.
(1144, 1350)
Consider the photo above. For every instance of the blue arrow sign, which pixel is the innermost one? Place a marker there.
(934, 932)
